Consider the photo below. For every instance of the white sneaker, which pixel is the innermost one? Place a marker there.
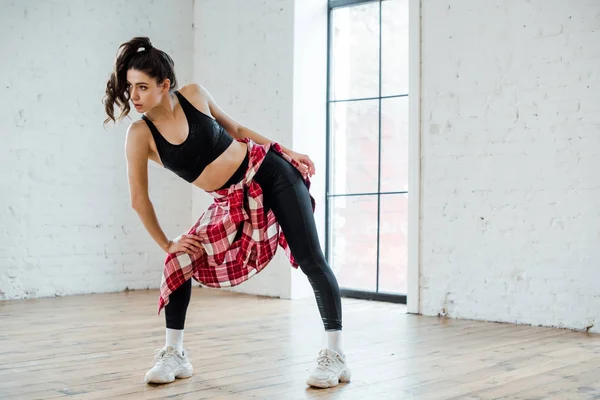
(169, 364)
(331, 370)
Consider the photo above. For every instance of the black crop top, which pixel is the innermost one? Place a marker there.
(206, 141)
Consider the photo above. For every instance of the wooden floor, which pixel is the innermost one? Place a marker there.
(247, 347)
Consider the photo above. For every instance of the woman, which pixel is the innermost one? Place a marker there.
(261, 201)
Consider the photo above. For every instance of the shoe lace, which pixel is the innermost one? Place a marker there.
(324, 361)
(164, 357)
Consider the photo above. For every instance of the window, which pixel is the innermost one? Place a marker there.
(367, 147)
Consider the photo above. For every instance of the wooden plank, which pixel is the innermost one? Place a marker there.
(100, 346)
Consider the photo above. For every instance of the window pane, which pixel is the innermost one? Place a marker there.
(394, 47)
(354, 147)
(353, 238)
(393, 246)
(394, 144)
(355, 52)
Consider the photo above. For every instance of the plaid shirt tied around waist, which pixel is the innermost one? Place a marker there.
(238, 234)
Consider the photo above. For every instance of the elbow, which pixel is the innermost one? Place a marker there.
(237, 132)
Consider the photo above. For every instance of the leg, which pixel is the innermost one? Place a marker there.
(175, 313)
(171, 362)
(288, 197)
(176, 310)
(286, 194)
(293, 211)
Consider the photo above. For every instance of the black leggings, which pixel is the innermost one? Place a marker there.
(286, 194)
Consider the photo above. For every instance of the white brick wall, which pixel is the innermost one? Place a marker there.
(511, 161)
(66, 223)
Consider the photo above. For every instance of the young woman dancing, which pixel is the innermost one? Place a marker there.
(261, 200)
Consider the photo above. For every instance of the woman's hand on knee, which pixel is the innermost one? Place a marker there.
(306, 165)
(189, 244)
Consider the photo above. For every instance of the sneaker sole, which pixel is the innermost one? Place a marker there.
(343, 377)
(186, 371)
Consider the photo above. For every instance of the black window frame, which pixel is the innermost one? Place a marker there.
(346, 292)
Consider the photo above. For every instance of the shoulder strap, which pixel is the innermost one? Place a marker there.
(185, 104)
(158, 138)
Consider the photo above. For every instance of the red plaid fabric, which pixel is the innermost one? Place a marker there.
(225, 262)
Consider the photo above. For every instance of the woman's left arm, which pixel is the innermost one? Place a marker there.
(239, 131)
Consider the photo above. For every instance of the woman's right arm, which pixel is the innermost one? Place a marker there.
(136, 151)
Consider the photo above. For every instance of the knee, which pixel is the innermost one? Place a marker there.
(313, 266)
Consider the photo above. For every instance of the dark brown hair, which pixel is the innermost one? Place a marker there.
(138, 54)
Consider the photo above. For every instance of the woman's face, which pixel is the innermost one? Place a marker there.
(144, 92)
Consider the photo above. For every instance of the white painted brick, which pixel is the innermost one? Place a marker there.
(510, 161)
(66, 223)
